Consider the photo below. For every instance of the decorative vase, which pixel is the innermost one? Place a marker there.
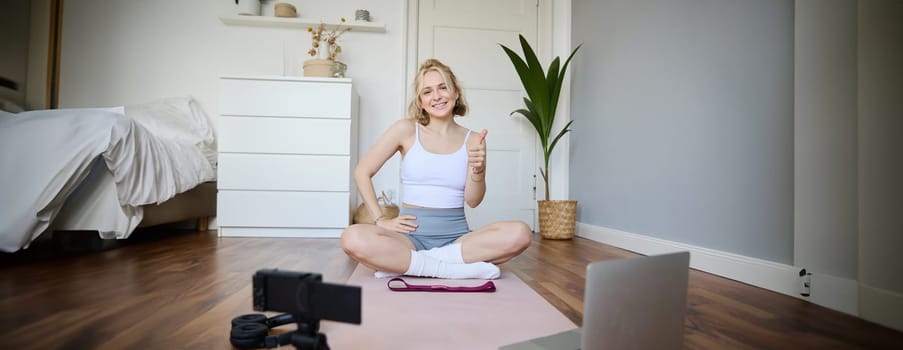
(248, 7)
(557, 219)
(323, 50)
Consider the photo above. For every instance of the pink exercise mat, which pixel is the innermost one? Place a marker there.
(426, 320)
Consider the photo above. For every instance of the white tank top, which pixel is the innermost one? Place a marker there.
(433, 180)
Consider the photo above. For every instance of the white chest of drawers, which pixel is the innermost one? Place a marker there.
(287, 146)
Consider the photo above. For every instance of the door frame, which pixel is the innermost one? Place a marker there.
(554, 39)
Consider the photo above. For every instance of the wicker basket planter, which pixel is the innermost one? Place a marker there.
(557, 219)
(324, 68)
(317, 68)
(389, 211)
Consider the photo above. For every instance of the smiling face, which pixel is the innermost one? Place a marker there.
(436, 93)
(436, 97)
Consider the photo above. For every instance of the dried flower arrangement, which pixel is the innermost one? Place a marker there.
(331, 38)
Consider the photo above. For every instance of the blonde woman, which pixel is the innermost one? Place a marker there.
(443, 167)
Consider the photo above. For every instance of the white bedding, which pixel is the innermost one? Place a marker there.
(46, 154)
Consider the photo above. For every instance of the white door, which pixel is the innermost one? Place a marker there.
(465, 34)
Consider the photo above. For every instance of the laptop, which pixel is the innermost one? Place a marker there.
(635, 303)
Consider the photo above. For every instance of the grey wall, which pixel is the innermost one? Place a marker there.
(825, 220)
(770, 129)
(881, 147)
(684, 121)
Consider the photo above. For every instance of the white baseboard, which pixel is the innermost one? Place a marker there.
(881, 306)
(832, 292)
(841, 294)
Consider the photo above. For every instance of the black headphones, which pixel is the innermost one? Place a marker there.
(251, 331)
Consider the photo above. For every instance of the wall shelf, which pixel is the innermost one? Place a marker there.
(301, 23)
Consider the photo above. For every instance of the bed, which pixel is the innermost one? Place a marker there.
(106, 170)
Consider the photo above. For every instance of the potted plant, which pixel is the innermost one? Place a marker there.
(324, 50)
(557, 219)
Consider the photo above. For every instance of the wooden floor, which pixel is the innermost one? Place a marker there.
(181, 291)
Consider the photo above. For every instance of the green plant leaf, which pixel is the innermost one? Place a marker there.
(531, 117)
(531, 86)
(540, 90)
(560, 134)
(566, 63)
(552, 82)
(536, 120)
(520, 66)
(525, 73)
(556, 91)
(564, 70)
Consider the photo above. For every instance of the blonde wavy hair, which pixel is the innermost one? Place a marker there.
(415, 109)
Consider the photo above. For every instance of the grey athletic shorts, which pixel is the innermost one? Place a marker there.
(436, 227)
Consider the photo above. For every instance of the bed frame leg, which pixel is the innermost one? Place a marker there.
(202, 223)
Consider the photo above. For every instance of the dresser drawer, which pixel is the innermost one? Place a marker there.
(284, 135)
(283, 209)
(285, 98)
(283, 172)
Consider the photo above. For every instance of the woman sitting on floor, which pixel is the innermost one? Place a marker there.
(443, 166)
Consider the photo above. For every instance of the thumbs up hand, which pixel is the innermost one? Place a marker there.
(476, 155)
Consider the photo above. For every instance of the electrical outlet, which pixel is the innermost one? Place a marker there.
(805, 283)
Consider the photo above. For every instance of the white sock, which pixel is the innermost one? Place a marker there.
(424, 265)
(380, 274)
(450, 254)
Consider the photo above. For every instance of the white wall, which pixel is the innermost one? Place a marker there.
(125, 52)
(825, 182)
